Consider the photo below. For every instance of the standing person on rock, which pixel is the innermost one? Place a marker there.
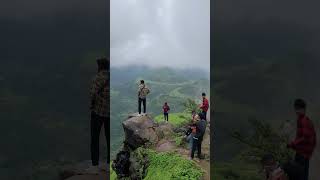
(166, 109)
(99, 97)
(205, 105)
(143, 91)
(198, 137)
(305, 141)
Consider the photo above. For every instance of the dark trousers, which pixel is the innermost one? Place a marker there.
(204, 114)
(196, 145)
(96, 125)
(166, 116)
(305, 165)
(144, 102)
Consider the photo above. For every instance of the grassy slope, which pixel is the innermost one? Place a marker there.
(168, 166)
(176, 119)
(171, 166)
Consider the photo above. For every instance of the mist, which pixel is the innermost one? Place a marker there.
(164, 33)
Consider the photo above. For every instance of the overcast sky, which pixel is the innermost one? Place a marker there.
(173, 33)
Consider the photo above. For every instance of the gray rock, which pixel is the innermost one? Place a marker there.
(139, 131)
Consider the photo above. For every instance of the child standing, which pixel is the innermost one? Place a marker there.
(166, 110)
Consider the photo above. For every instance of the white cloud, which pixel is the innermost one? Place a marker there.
(160, 33)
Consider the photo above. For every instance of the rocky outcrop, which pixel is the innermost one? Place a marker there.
(140, 131)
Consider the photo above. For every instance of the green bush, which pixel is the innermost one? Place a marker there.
(168, 165)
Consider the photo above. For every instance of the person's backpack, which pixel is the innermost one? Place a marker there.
(144, 91)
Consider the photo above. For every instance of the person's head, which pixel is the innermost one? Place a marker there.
(141, 81)
(268, 163)
(300, 107)
(203, 95)
(196, 118)
(165, 103)
(103, 63)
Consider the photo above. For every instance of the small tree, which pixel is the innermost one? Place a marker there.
(191, 105)
(264, 140)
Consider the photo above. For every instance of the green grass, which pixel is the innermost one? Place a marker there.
(176, 119)
(169, 166)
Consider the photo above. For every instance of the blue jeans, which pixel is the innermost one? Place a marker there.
(190, 140)
(166, 116)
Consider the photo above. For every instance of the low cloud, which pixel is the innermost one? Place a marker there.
(163, 33)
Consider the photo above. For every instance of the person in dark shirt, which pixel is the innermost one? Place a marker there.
(192, 131)
(305, 141)
(198, 137)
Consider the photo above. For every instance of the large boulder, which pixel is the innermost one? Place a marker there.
(140, 131)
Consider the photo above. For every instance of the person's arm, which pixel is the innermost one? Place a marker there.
(306, 133)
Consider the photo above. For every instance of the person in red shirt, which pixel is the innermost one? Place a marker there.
(166, 110)
(205, 105)
(305, 141)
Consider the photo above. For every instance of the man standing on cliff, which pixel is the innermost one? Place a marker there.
(205, 105)
(99, 98)
(305, 141)
(143, 91)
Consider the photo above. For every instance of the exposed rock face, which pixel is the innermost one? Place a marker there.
(139, 131)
